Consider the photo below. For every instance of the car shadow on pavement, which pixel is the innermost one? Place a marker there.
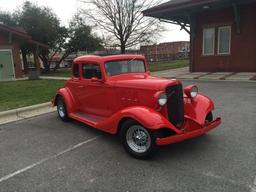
(184, 149)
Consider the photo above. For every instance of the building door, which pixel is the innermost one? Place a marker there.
(6, 65)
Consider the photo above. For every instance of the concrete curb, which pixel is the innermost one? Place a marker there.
(25, 112)
(55, 78)
(213, 80)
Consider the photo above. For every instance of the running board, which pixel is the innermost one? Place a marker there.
(88, 119)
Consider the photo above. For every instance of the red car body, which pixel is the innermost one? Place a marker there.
(107, 102)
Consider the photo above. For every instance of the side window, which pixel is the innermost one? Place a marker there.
(91, 70)
(75, 70)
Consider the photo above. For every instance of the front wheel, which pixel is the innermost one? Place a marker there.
(138, 141)
(62, 110)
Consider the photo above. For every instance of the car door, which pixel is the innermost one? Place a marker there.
(76, 86)
(95, 91)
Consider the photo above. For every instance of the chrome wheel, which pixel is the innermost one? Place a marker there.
(138, 139)
(61, 108)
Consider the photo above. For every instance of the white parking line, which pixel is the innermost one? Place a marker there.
(46, 159)
(253, 188)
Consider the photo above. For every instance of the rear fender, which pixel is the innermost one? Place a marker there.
(145, 116)
(197, 108)
(68, 98)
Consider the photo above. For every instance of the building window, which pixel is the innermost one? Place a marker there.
(224, 40)
(208, 41)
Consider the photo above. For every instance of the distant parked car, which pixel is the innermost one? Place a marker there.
(117, 94)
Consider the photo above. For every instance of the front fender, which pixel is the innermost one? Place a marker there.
(147, 117)
(68, 98)
(197, 108)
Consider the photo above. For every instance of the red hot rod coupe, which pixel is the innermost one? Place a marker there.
(117, 94)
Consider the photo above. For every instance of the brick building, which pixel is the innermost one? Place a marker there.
(222, 32)
(11, 39)
(166, 51)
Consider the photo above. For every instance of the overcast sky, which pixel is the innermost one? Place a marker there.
(65, 9)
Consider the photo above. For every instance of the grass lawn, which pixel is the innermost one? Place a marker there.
(157, 66)
(15, 94)
(160, 66)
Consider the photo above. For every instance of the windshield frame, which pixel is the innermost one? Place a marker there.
(128, 60)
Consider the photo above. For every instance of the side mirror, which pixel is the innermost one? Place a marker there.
(95, 79)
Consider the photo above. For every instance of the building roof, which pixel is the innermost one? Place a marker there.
(171, 4)
(178, 10)
(14, 30)
(20, 32)
(176, 5)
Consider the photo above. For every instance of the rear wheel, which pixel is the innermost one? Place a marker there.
(61, 108)
(138, 141)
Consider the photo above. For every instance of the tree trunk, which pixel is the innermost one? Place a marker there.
(59, 62)
(64, 56)
(122, 46)
(45, 63)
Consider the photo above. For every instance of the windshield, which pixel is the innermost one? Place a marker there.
(125, 66)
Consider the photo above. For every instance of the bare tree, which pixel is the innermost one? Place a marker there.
(123, 19)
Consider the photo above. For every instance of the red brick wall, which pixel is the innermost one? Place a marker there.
(164, 51)
(243, 45)
(15, 47)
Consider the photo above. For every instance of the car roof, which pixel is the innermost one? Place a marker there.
(95, 58)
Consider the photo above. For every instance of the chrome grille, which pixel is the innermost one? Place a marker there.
(175, 105)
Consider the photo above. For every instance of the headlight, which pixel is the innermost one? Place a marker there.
(191, 91)
(194, 91)
(162, 99)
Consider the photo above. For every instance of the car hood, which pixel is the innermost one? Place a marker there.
(139, 81)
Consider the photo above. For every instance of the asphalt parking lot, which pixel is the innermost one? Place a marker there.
(46, 154)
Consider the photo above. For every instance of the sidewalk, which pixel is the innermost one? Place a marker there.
(184, 74)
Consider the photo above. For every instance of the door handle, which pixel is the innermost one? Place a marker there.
(81, 86)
